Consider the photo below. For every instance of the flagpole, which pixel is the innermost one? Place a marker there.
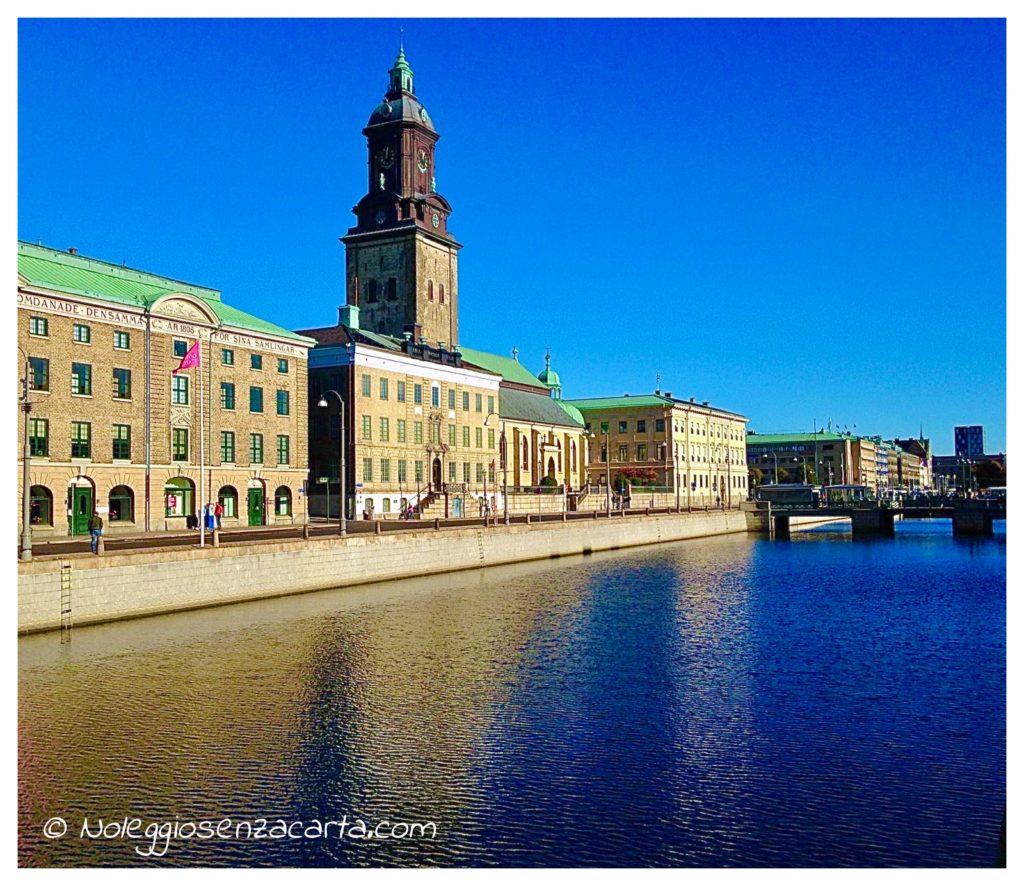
(202, 452)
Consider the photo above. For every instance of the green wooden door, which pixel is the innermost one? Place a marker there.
(81, 509)
(255, 507)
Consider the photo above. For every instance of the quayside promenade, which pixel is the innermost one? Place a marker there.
(78, 589)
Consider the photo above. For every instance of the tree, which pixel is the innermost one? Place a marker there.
(783, 475)
(809, 475)
(756, 477)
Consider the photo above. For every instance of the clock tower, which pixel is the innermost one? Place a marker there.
(401, 263)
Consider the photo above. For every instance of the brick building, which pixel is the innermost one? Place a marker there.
(111, 428)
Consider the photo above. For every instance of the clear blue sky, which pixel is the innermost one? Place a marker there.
(797, 220)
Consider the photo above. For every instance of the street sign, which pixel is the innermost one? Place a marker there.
(322, 480)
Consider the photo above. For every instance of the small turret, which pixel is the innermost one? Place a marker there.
(549, 378)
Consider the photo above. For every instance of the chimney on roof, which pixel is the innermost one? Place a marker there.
(668, 394)
(348, 315)
(703, 402)
(72, 250)
(693, 399)
(625, 395)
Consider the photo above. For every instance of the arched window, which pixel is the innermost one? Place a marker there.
(558, 446)
(40, 506)
(386, 506)
(526, 454)
(442, 293)
(179, 497)
(430, 290)
(283, 501)
(122, 505)
(228, 498)
(572, 455)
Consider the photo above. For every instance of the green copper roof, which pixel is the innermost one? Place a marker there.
(506, 367)
(595, 403)
(93, 278)
(810, 436)
(547, 376)
(571, 411)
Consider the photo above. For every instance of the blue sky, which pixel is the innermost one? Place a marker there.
(798, 220)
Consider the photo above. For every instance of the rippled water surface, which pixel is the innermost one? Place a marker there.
(726, 701)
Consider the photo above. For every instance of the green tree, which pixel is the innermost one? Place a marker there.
(784, 476)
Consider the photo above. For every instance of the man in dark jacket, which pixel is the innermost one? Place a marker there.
(95, 530)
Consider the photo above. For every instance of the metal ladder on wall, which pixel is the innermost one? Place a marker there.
(65, 601)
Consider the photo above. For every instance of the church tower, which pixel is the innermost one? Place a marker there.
(401, 263)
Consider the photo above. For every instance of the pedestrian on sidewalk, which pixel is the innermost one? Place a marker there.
(218, 512)
(95, 531)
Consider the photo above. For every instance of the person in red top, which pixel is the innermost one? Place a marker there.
(218, 512)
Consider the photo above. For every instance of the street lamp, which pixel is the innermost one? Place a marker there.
(341, 478)
(608, 462)
(26, 466)
(504, 466)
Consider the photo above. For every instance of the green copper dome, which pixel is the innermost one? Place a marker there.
(549, 378)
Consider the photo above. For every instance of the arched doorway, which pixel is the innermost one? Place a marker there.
(121, 505)
(457, 506)
(227, 496)
(81, 504)
(551, 468)
(40, 506)
(255, 503)
(283, 502)
(179, 498)
(435, 473)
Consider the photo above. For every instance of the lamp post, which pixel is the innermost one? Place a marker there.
(608, 485)
(26, 467)
(341, 472)
(504, 466)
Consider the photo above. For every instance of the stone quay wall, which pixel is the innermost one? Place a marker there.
(132, 584)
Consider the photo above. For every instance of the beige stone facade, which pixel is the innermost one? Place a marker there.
(113, 430)
(537, 450)
(415, 429)
(692, 450)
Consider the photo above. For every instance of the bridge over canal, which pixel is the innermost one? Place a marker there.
(970, 517)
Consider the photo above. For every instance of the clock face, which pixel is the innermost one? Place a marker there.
(421, 160)
(386, 157)
(436, 220)
(379, 216)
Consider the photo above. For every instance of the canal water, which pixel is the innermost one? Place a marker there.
(822, 701)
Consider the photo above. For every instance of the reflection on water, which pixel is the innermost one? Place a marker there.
(716, 702)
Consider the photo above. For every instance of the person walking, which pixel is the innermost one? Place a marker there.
(95, 531)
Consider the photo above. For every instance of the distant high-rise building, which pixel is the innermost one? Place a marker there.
(969, 441)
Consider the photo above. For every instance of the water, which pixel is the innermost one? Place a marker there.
(721, 702)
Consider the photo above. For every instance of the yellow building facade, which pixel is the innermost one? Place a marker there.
(691, 450)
